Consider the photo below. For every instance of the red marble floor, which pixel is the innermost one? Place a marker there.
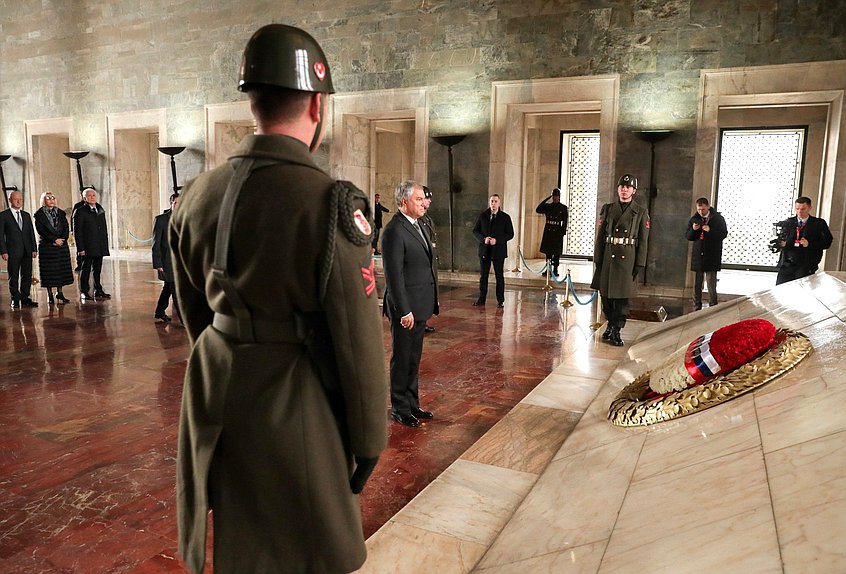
(89, 406)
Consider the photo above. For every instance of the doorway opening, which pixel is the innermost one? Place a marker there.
(759, 177)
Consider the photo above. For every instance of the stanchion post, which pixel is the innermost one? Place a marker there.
(547, 286)
(567, 303)
(519, 254)
(595, 326)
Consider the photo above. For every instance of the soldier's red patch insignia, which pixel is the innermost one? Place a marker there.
(647, 224)
(600, 222)
(361, 222)
(320, 70)
(368, 274)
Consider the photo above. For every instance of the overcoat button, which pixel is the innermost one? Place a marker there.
(613, 256)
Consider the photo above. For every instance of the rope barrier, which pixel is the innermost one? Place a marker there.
(523, 259)
(576, 297)
(139, 240)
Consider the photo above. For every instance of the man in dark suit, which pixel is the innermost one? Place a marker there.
(18, 249)
(493, 231)
(92, 243)
(805, 238)
(378, 210)
(411, 298)
(162, 262)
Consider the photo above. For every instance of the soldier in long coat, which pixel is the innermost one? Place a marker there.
(619, 255)
(284, 409)
(555, 228)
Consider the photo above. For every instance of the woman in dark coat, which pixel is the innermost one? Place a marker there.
(54, 261)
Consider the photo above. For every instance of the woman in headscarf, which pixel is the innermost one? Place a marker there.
(54, 261)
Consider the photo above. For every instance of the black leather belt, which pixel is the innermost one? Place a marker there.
(258, 330)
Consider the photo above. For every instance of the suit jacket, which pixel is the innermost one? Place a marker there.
(819, 238)
(90, 231)
(378, 210)
(500, 229)
(161, 247)
(17, 242)
(409, 271)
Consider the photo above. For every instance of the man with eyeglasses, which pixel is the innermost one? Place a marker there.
(18, 249)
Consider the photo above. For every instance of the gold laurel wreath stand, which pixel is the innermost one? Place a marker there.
(629, 409)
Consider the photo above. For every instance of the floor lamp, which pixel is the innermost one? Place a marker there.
(653, 137)
(448, 142)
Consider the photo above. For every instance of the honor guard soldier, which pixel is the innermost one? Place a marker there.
(429, 225)
(552, 243)
(619, 255)
(285, 397)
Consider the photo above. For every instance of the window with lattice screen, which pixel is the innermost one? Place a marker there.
(578, 180)
(760, 173)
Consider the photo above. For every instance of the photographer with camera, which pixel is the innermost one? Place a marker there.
(803, 241)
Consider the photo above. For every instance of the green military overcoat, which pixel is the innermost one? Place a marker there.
(614, 263)
(261, 440)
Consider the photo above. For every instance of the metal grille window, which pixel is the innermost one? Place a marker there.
(579, 178)
(760, 174)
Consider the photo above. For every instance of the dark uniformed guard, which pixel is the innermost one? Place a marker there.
(619, 255)
(285, 398)
(429, 226)
(552, 243)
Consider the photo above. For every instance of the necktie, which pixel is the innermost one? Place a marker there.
(420, 231)
(20, 221)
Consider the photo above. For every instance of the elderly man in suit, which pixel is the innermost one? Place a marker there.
(92, 243)
(18, 249)
(493, 231)
(411, 298)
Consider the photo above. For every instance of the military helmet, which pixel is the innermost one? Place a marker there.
(628, 180)
(286, 57)
(427, 193)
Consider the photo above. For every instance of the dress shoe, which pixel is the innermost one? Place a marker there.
(421, 414)
(28, 302)
(60, 297)
(86, 296)
(615, 338)
(501, 304)
(377, 253)
(607, 334)
(429, 329)
(163, 317)
(478, 302)
(407, 420)
(16, 304)
(102, 295)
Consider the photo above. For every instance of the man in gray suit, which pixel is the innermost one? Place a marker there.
(18, 249)
(411, 298)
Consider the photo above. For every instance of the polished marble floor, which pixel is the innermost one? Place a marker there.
(753, 485)
(519, 471)
(89, 403)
